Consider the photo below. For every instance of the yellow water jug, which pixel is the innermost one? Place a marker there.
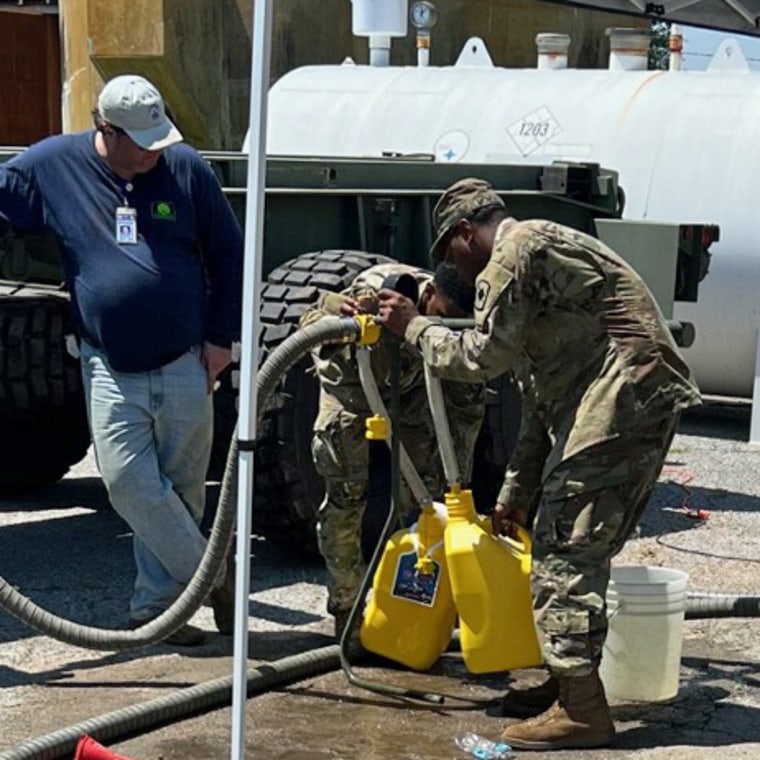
(490, 581)
(410, 615)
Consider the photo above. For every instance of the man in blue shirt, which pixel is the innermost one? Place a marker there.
(152, 255)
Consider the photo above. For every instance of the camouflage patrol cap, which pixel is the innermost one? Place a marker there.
(458, 202)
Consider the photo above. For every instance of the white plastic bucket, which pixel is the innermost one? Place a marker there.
(642, 653)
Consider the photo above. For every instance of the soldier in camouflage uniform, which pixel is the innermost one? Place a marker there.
(339, 447)
(602, 385)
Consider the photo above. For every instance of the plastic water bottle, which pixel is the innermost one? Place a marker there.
(482, 748)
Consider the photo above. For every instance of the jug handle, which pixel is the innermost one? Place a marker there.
(525, 542)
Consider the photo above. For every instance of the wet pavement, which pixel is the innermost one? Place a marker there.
(716, 715)
(66, 549)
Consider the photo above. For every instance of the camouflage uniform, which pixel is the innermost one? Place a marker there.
(341, 451)
(602, 383)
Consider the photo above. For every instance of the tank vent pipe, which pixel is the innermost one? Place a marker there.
(629, 49)
(379, 50)
(552, 50)
(423, 48)
(675, 48)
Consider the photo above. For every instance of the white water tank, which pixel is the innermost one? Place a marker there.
(684, 143)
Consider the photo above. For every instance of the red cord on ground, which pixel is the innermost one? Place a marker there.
(684, 478)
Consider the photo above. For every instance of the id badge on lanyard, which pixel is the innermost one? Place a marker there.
(126, 225)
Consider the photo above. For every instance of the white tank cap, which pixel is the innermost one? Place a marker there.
(552, 50)
(379, 17)
(629, 48)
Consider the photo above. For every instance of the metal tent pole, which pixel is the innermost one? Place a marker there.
(249, 360)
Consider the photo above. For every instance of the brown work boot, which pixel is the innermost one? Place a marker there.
(532, 701)
(222, 599)
(579, 719)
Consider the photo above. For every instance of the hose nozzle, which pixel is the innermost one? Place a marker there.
(369, 329)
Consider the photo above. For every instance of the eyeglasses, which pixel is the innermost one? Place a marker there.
(120, 132)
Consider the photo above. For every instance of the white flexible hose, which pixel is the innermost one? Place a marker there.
(442, 429)
(375, 401)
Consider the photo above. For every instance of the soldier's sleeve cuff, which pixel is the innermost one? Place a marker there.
(514, 496)
(504, 494)
(415, 328)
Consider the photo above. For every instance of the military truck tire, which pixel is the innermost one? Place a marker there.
(42, 410)
(288, 490)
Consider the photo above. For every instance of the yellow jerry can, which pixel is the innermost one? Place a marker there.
(490, 582)
(410, 616)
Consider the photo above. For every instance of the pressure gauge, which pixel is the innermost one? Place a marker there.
(423, 15)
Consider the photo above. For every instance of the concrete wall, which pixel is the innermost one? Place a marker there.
(196, 52)
(80, 79)
(179, 45)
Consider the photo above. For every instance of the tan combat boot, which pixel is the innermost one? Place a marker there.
(579, 719)
(526, 703)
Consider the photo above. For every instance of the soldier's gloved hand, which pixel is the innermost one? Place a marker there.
(504, 518)
(367, 304)
(350, 308)
(338, 304)
(396, 311)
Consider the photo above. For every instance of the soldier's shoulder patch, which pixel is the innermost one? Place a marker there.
(482, 290)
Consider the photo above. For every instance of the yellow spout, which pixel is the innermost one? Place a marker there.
(377, 428)
(459, 503)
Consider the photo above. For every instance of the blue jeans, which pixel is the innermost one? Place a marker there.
(152, 434)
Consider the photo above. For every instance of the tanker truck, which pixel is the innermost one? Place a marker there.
(353, 211)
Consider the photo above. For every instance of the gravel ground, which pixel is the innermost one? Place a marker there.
(66, 549)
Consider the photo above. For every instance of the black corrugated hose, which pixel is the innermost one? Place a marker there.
(176, 706)
(701, 605)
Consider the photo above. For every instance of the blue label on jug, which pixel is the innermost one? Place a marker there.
(413, 586)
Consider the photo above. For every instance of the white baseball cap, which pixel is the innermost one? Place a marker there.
(133, 104)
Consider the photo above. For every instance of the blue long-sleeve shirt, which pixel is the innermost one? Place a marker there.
(142, 304)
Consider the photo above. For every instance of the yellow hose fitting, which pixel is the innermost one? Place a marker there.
(376, 428)
(424, 565)
(370, 329)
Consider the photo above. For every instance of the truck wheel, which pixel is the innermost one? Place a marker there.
(288, 489)
(42, 410)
